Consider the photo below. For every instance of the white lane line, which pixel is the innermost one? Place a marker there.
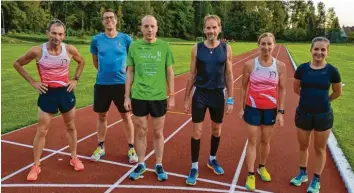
(146, 157)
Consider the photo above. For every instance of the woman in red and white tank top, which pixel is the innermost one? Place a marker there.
(262, 103)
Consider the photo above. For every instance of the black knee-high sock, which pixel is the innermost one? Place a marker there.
(101, 144)
(214, 145)
(195, 146)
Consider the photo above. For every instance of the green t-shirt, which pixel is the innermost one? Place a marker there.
(150, 62)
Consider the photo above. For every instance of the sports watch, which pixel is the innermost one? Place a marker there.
(281, 111)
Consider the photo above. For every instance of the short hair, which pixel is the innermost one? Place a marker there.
(215, 17)
(263, 35)
(319, 39)
(55, 22)
(147, 16)
(109, 10)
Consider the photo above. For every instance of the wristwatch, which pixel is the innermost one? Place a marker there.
(281, 111)
(76, 78)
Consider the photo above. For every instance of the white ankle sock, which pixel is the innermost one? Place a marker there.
(212, 157)
(195, 165)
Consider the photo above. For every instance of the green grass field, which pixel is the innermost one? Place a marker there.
(342, 57)
(19, 99)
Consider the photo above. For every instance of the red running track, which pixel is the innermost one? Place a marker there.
(110, 175)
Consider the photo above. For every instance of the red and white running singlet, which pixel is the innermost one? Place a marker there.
(263, 93)
(54, 70)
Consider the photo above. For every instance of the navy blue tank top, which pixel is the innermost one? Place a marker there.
(210, 66)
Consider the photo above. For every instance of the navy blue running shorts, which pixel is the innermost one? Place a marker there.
(317, 122)
(56, 98)
(212, 99)
(257, 117)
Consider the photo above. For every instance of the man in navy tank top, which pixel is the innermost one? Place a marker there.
(210, 73)
(56, 90)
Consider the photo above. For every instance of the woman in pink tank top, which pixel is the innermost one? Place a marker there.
(262, 84)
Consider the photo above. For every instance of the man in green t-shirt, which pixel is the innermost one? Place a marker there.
(149, 66)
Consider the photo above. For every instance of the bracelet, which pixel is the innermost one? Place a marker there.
(230, 101)
(171, 94)
(76, 78)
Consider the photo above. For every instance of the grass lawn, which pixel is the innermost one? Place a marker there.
(19, 99)
(342, 57)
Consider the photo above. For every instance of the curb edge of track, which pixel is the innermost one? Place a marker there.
(342, 164)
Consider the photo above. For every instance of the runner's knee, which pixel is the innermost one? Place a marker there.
(264, 141)
(197, 133)
(320, 150)
(141, 129)
(158, 134)
(102, 117)
(42, 131)
(70, 125)
(216, 132)
(304, 146)
(252, 141)
(125, 117)
(216, 129)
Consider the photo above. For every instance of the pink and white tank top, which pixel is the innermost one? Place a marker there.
(263, 93)
(54, 70)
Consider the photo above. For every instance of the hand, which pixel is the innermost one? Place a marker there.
(170, 102)
(240, 114)
(71, 85)
(127, 104)
(229, 109)
(186, 106)
(280, 119)
(40, 87)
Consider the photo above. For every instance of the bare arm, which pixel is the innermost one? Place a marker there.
(296, 86)
(78, 58)
(95, 61)
(192, 74)
(31, 54)
(170, 81)
(229, 75)
(129, 81)
(248, 67)
(282, 85)
(337, 91)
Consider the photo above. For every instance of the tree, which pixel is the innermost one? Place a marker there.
(321, 19)
(311, 20)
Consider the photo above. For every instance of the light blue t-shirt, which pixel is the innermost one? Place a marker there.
(112, 55)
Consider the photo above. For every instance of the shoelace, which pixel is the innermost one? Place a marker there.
(301, 173)
(215, 162)
(314, 182)
(98, 149)
(138, 169)
(159, 170)
(193, 172)
(76, 160)
(132, 152)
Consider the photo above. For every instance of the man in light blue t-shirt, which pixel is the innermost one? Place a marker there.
(109, 52)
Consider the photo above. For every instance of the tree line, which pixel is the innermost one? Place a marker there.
(241, 20)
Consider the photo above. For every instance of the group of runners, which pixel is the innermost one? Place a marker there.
(139, 78)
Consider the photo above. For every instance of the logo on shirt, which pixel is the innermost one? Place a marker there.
(64, 62)
(272, 74)
(158, 56)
